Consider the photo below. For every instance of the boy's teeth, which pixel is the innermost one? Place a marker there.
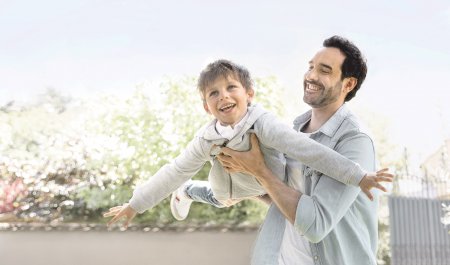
(227, 107)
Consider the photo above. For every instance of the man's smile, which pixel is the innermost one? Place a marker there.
(311, 88)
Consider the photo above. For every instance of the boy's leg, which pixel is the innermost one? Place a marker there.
(200, 191)
(192, 190)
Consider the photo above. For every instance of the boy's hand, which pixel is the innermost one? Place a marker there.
(119, 212)
(373, 179)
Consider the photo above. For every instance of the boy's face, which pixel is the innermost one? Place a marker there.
(227, 100)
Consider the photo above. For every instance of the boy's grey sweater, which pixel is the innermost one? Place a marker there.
(276, 140)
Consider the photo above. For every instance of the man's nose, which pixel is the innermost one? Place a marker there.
(311, 75)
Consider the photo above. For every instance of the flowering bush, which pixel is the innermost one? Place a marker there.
(11, 192)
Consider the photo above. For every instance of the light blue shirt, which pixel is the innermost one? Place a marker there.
(339, 220)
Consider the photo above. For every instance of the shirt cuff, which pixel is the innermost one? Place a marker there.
(304, 216)
(357, 176)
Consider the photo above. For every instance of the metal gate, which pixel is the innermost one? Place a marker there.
(417, 233)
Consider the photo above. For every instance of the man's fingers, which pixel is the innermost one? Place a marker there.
(229, 170)
(226, 161)
(254, 141)
(224, 158)
(227, 151)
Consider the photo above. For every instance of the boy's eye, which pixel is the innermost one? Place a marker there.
(213, 93)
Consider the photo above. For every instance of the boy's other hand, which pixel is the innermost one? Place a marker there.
(373, 179)
(121, 211)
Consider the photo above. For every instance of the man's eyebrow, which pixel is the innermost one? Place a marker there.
(326, 66)
(322, 64)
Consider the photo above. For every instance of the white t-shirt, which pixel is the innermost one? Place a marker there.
(295, 248)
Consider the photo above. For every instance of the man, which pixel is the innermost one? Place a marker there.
(326, 222)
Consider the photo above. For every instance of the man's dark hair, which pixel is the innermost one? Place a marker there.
(223, 68)
(354, 64)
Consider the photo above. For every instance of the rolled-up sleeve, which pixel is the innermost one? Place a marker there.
(317, 214)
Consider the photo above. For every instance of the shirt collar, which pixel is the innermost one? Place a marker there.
(330, 127)
(228, 132)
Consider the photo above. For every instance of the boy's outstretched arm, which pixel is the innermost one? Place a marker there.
(121, 211)
(285, 197)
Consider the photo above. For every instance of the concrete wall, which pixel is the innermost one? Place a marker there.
(124, 248)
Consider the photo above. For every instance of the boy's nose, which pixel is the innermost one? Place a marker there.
(224, 95)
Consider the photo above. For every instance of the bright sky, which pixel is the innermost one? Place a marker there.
(88, 46)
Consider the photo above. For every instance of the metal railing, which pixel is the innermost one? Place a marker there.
(417, 235)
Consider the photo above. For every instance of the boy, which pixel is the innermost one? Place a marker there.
(227, 93)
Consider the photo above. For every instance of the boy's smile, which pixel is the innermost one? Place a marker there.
(227, 100)
(227, 107)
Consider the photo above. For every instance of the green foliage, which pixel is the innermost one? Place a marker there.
(78, 158)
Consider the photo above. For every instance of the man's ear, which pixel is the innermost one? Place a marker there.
(350, 84)
(205, 106)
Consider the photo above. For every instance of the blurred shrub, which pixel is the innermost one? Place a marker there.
(13, 190)
(446, 214)
(71, 159)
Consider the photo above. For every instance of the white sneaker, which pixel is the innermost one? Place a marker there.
(180, 203)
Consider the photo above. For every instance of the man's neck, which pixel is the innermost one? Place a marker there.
(320, 116)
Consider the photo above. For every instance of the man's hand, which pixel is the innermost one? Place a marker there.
(373, 179)
(250, 162)
(121, 211)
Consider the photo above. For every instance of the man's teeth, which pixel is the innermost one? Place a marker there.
(227, 107)
(313, 87)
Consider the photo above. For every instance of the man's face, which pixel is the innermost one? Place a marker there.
(322, 82)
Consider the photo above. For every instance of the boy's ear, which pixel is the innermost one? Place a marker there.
(205, 106)
(251, 94)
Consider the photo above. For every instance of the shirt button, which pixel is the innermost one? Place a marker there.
(316, 257)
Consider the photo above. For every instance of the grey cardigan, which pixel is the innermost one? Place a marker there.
(276, 140)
